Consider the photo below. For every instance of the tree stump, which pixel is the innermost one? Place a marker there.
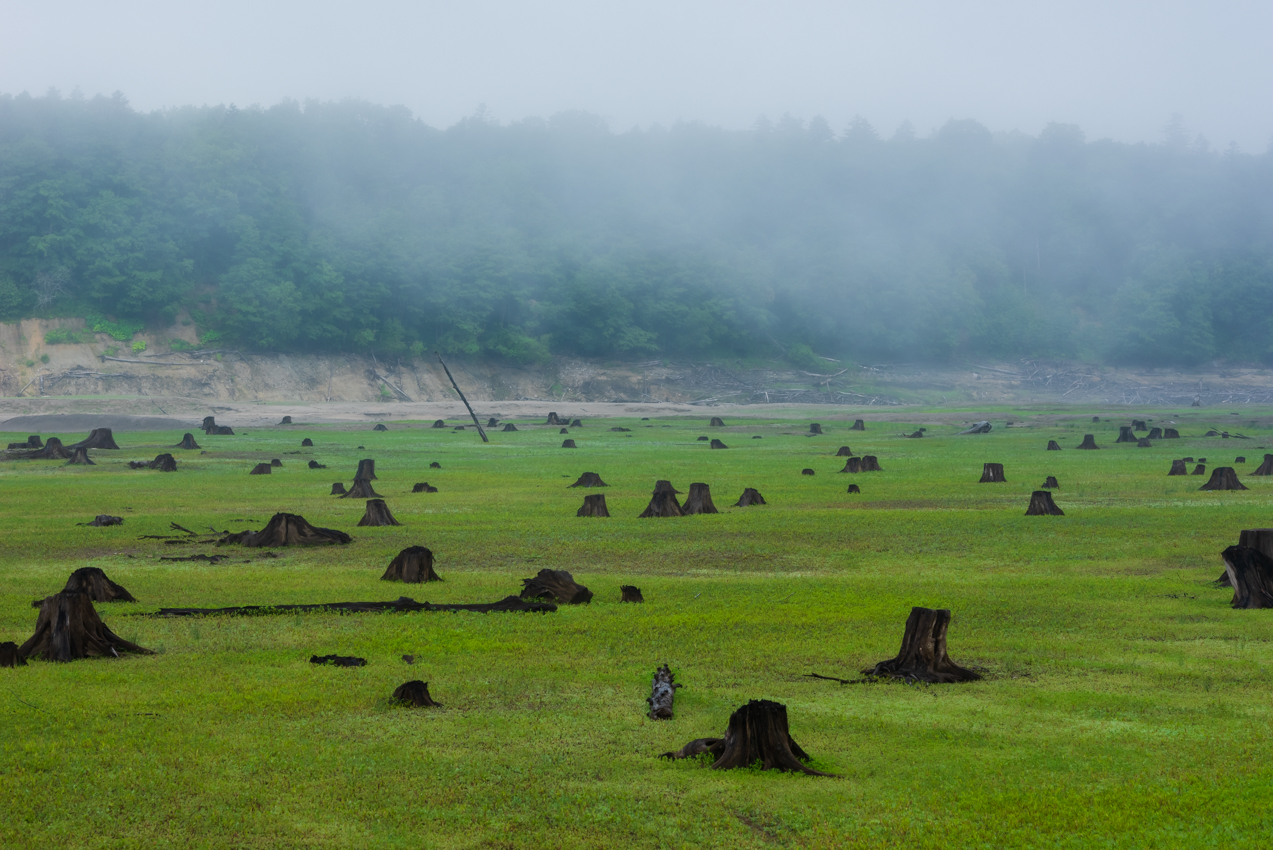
(576, 423)
(1250, 574)
(858, 425)
(1258, 538)
(1143, 443)
(380, 426)
(1089, 442)
(438, 423)
(594, 505)
(662, 692)
(510, 427)
(377, 514)
(416, 694)
(187, 442)
(662, 504)
(413, 565)
(992, 473)
(558, 585)
(662, 484)
(1265, 468)
(338, 660)
(699, 501)
(435, 465)
(630, 593)
(1212, 434)
(807, 471)
(79, 456)
(366, 469)
(1139, 425)
(716, 422)
(9, 656)
(923, 654)
(815, 428)
(620, 429)
(552, 419)
(1170, 434)
(564, 431)
(1096, 419)
(424, 487)
(276, 463)
(871, 464)
(361, 489)
(1125, 435)
(209, 423)
(1188, 460)
(917, 434)
(211, 428)
(703, 439)
(1155, 433)
(717, 444)
(103, 520)
(338, 489)
(758, 732)
(1239, 459)
(853, 464)
(313, 464)
(100, 438)
(164, 463)
(492, 422)
(853, 488)
(982, 427)
(1200, 469)
(53, 450)
(1223, 478)
(33, 442)
(458, 428)
(1054, 446)
(1178, 468)
(261, 469)
(68, 628)
(750, 497)
(1050, 483)
(94, 582)
(286, 420)
(287, 530)
(590, 479)
(844, 451)
(1041, 504)
(568, 444)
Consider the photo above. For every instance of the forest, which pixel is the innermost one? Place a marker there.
(350, 226)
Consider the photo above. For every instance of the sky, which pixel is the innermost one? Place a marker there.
(1119, 70)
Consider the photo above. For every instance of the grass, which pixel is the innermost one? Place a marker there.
(1125, 704)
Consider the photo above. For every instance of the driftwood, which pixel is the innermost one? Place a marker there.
(1200, 469)
(424, 487)
(103, 520)
(377, 514)
(1155, 433)
(287, 530)
(187, 442)
(1041, 504)
(716, 422)
(699, 501)
(9, 656)
(982, 427)
(1223, 478)
(630, 593)
(413, 565)
(992, 473)
(807, 471)
(261, 469)
(662, 504)
(858, 425)
(594, 505)
(568, 444)
(717, 444)
(460, 393)
(923, 654)
(380, 426)
(68, 628)
(415, 693)
(853, 464)
(663, 484)
(1050, 483)
(438, 423)
(361, 489)
(1250, 574)
(95, 583)
(509, 427)
(402, 604)
(749, 497)
(79, 457)
(1054, 446)
(870, 463)
(590, 479)
(100, 438)
(844, 451)
(338, 489)
(1178, 468)
(553, 419)
(1089, 442)
(558, 585)
(815, 428)
(662, 692)
(338, 660)
(853, 488)
(1170, 434)
(758, 732)
(1265, 468)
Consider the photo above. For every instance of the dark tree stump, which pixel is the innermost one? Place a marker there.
(1200, 469)
(807, 471)
(558, 585)
(1250, 574)
(576, 423)
(631, 593)
(313, 464)
(568, 444)
(1050, 483)
(53, 450)
(1125, 435)
(858, 425)
(438, 423)
(750, 497)
(164, 463)
(424, 487)
(815, 428)
(458, 428)
(871, 464)
(377, 514)
(552, 419)
(366, 469)
(413, 565)
(1188, 460)
(1223, 478)
(703, 439)
(982, 427)
(492, 422)
(590, 479)
(1202, 460)
(1265, 468)
(79, 456)
(1258, 538)
(94, 582)
(287, 530)
(1239, 459)
(33, 442)
(1041, 504)
(758, 732)
(662, 504)
(1139, 425)
(9, 656)
(261, 469)
(564, 431)
(68, 628)
(594, 505)
(1155, 433)
(510, 427)
(853, 464)
(923, 654)
(1143, 443)
(307, 443)
(1170, 434)
(276, 463)
(187, 442)
(286, 420)
(716, 422)
(100, 438)
(361, 489)
(415, 693)
(853, 488)
(380, 426)
(699, 501)
(1054, 446)
(211, 428)
(1089, 442)
(338, 660)
(103, 520)
(662, 692)
(992, 473)
(435, 465)
(1096, 419)
(844, 451)
(209, 423)
(917, 434)
(717, 444)
(338, 489)
(662, 484)
(1178, 468)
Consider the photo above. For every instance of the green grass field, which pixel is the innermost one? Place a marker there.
(1124, 703)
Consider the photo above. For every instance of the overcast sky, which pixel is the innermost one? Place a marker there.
(1117, 69)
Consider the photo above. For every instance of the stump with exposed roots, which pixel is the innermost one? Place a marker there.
(377, 514)
(1041, 504)
(187, 442)
(858, 425)
(79, 457)
(1200, 469)
(1265, 468)
(923, 654)
(992, 473)
(807, 471)
(844, 451)
(1170, 434)
(94, 582)
(1250, 573)
(1155, 433)
(1089, 442)
(68, 628)
(338, 489)
(1051, 484)
(100, 438)
(716, 422)
(413, 565)
(630, 593)
(699, 501)
(509, 427)
(568, 444)
(1125, 434)
(553, 419)
(758, 732)
(750, 496)
(870, 463)
(287, 530)
(361, 489)
(1054, 446)
(438, 423)
(853, 464)
(662, 692)
(415, 693)
(662, 504)
(1178, 468)
(593, 505)
(590, 479)
(53, 450)
(424, 487)
(1223, 478)
(261, 469)
(558, 585)
(9, 656)
(663, 484)
(815, 428)
(853, 488)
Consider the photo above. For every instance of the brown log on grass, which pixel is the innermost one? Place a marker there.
(699, 501)
(662, 691)
(413, 565)
(1155, 433)
(438, 423)
(338, 489)
(858, 425)
(590, 479)
(68, 628)
(79, 456)
(1143, 443)
(662, 504)
(94, 582)
(630, 593)
(1050, 483)
(403, 605)
(844, 451)
(1170, 434)
(1041, 504)
(815, 428)
(807, 471)
(757, 732)
(552, 419)
(992, 473)
(1178, 468)
(1054, 446)
(1125, 435)
(1089, 442)
(558, 585)
(750, 496)
(261, 469)
(871, 464)
(1200, 469)
(568, 444)
(9, 656)
(287, 530)
(663, 484)
(717, 444)
(853, 464)
(424, 487)
(1250, 574)
(576, 423)
(716, 422)
(103, 520)
(853, 488)
(377, 514)
(509, 427)
(1223, 478)
(187, 442)
(594, 505)
(923, 655)
(416, 694)
(313, 464)
(1265, 468)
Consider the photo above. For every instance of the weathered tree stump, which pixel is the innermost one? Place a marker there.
(1170, 434)
(870, 463)
(187, 442)
(590, 479)
(361, 489)
(1143, 443)
(458, 428)
(380, 426)
(338, 660)
(923, 653)
(276, 463)
(79, 456)
(435, 465)
(703, 439)
(1223, 478)
(716, 422)
(1212, 434)
(1258, 538)
(1200, 469)
(593, 505)
(758, 732)
(853, 488)
(576, 423)
(338, 489)
(1250, 574)
(1239, 459)
(33, 442)
(992, 473)
(94, 582)
(415, 693)
(164, 463)
(558, 585)
(366, 469)
(1155, 433)
(413, 565)
(815, 428)
(9, 656)
(1096, 419)
(807, 471)
(1265, 468)
(1050, 483)
(552, 419)
(424, 487)
(209, 423)
(750, 496)
(1041, 504)
(287, 530)
(1125, 435)
(858, 425)
(68, 628)
(1202, 460)
(663, 484)
(662, 504)
(853, 464)
(100, 438)
(313, 464)
(53, 450)
(438, 423)
(103, 520)
(717, 444)
(211, 428)
(630, 593)
(307, 443)
(662, 692)
(699, 501)
(1139, 425)
(982, 427)
(492, 422)
(568, 444)
(376, 514)
(1089, 442)
(510, 427)
(1054, 446)
(261, 469)
(844, 451)
(1178, 468)
(564, 431)
(286, 420)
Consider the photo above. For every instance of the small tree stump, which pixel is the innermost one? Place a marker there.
(630, 593)
(99, 588)
(287, 530)
(338, 489)
(871, 464)
(564, 431)
(313, 464)
(33, 442)
(79, 457)
(1054, 446)
(749, 497)
(1096, 419)
(992, 473)
(68, 628)
(662, 504)
(815, 428)
(1125, 435)
(492, 422)
(9, 656)
(366, 469)
(435, 465)
(416, 694)
(807, 471)
(1178, 468)
(1139, 425)
(164, 463)
(844, 451)
(621, 429)
(568, 444)
(286, 420)
(307, 443)
(100, 438)
(699, 501)
(716, 422)
(1155, 433)
(923, 653)
(338, 660)
(1170, 434)
(553, 420)
(361, 489)
(424, 487)
(717, 444)
(703, 439)
(276, 463)
(590, 479)
(1265, 468)
(413, 565)
(758, 732)
(1239, 459)
(853, 464)
(1050, 483)
(438, 423)
(377, 514)
(663, 484)
(858, 425)
(509, 427)
(380, 426)
(1143, 443)
(662, 692)
(1250, 574)
(458, 428)
(261, 469)
(1041, 504)
(853, 488)
(187, 442)
(594, 505)
(1188, 460)
(558, 585)
(1223, 478)
(1089, 442)
(103, 520)
(576, 423)
(1200, 469)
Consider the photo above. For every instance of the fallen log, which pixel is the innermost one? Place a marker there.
(662, 692)
(103, 520)
(402, 605)
(923, 654)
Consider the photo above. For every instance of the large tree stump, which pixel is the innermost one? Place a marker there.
(415, 693)
(858, 425)
(94, 582)
(807, 471)
(593, 505)
(576, 423)
(758, 732)
(853, 488)
(558, 585)
(553, 420)
(1223, 478)
(663, 484)
(1200, 469)
(424, 487)
(187, 442)
(79, 456)
(100, 438)
(438, 423)
(1250, 574)
(380, 426)
(413, 565)
(853, 464)
(870, 463)
(716, 422)
(749, 497)
(211, 428)
(1265, 468)
(699, 501)
(662, 504)
(287, 530)
(1050, 483)
(338, 489)
(568, 444)
(590, 479)
(662, 692)
(1125, 435)
(261, 469)
(1155, 433)
(361, 489)
(1170, 434)
(68, 628)
(1258, 538)
(1139, 425)
(717, 444)
(844, 451)
(1089, 442)
(630, 593)
(1041, 504)
(815, 428)
(992, 473)
(9, 656)
(164, 463)
(1054, 446)
(209, 423)
(53, 450)
(509, 427)
(377, 514)
(366, 469)
(1143, 443)
(1178, 468)
(923, 654)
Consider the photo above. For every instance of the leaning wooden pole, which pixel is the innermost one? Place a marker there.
(463, 399)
